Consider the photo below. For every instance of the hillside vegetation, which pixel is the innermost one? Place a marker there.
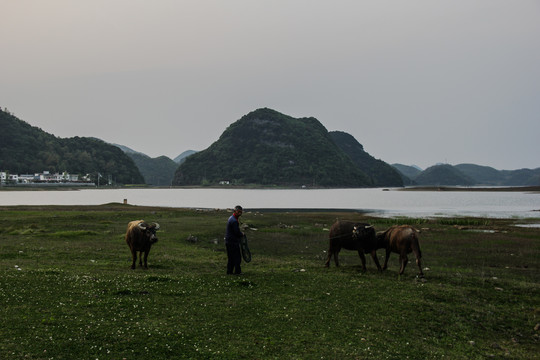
(269, 148)
(443, 175)
(407, 172)
(25, 149)
(467, 175)
(182, 157)
(380, 173)
(156, 171)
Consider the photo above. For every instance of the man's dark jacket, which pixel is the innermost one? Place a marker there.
(233, 234)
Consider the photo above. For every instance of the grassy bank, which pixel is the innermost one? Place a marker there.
(67, 292)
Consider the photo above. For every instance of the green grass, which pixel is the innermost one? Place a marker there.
(67, 292)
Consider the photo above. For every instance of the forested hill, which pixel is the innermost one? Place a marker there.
(266, 147)
(156, 171)
(25, 149)
(381, 173)
(467, 175)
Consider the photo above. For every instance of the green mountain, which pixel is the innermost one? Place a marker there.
(468, 175)
(25, 149)
(182, 157)
(381, 173)
(443, 175)
(269, 148)
(408, 173)
(522, 177)
(482, 175)
(156, 171)
(485, 175)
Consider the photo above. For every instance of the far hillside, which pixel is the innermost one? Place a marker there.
(443, 175)
(483, 175)
(381, 173)
(182, 157)
(409, 171)
(486, 175)
(156, 171)
(25, 149)
(468, 175)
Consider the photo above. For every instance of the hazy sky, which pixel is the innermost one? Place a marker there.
(415, 82)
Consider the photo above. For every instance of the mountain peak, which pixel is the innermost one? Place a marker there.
(270, 148)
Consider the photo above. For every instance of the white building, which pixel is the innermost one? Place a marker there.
(26, 178)
(46, 176)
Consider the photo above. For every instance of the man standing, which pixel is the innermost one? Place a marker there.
(232, 242)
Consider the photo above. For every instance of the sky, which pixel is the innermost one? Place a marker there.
(415, 82)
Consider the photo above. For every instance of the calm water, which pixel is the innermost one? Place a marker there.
(376, 201)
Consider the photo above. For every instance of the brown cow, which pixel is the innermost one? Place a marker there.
(140, 236)
(352, 236)
(401, 239)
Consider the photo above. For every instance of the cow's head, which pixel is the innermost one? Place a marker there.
(149, 231)
(362, 231)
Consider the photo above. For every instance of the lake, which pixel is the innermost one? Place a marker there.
(380, 202)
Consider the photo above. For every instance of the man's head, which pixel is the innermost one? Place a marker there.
(238, 210)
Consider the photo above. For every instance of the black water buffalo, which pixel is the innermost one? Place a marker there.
(140, 236)
(352, 236)
(401, 239)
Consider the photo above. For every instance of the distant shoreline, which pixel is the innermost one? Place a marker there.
(457, 188)
(534, 189)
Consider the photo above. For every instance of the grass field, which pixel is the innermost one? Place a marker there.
(67, 290)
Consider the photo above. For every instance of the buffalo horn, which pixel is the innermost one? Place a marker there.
(156, 226)
(368, 226)
(141, 226)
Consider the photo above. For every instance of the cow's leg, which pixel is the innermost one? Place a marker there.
(385, 266)
(140, 258)
(134, 258)
(419, 264)
(336, 257)
(327, 264)
(363, 258)
(403, 259)
(374, 256)
(418, 256)
(146, 258)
